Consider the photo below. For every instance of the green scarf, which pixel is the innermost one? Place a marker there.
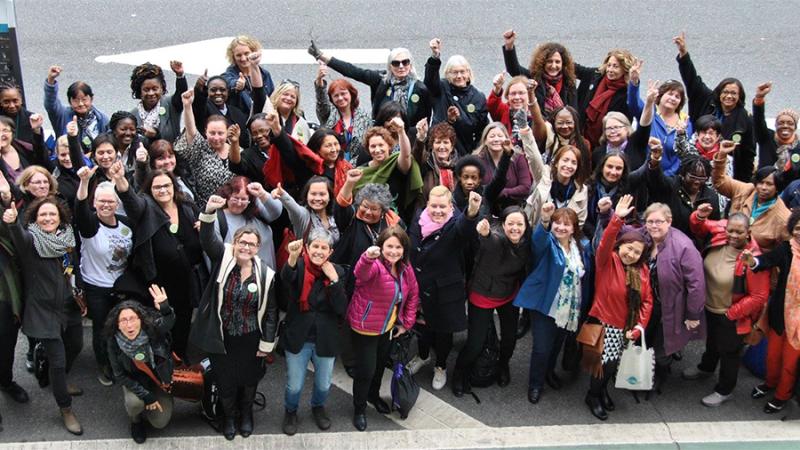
(381, 174)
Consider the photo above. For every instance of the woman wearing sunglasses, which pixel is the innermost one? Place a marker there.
(398, 83)
(286, 100)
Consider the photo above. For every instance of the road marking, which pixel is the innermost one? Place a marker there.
(573, 436)
(210, 54)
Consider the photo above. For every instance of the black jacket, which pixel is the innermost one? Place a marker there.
(500, 266)
(327, 306)
(590, 78)
(768, 148)
(569, 95)
(636, 150)
(702, 102)
(126, 372)
(780, 257)
(471, 103)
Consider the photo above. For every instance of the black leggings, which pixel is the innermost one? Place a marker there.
(373, 351)
(99, 302)
(61, 353)
(598, 385)
(442, 344)
(479, 320)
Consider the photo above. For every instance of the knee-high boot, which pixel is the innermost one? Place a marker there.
(248, 395)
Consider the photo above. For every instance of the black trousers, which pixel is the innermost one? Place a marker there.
(598, 385)
(442, 344)
(9, 329)
(478, 326)
(99, 302)
(371, 356)
(61, 353)
(723, 347)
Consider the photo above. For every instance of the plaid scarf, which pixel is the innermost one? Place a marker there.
(52, 245)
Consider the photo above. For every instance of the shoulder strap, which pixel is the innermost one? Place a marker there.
(223, 223)
(146, 369)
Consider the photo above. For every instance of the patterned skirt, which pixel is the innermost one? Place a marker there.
(613, 343)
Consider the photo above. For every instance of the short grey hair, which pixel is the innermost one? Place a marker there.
(320, 234)
(412, 74)
(375, 193)
(456, 61)
(619, 117)
(107, 186)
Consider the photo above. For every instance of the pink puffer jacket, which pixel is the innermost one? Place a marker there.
(376, 294)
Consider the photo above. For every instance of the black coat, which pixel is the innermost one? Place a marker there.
(702, 102)
(768, 148)
(780, 257)
(590, 78)
(439, 266)
(471, 103)
(569, 95)
(327, 307)
(636, 150)
(500, 266)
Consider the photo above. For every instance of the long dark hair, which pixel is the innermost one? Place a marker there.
(318, 179)
(147, 316)
(177, 194)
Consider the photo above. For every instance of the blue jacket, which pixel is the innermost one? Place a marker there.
(541, 286)
(670, 161)
(60, 114)
(231, 75)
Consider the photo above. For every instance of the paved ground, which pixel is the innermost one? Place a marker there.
(755, 42)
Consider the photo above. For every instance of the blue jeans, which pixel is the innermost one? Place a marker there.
(547, 340)
(296, 366)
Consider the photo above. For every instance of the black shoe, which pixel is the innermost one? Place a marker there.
(290, 423)
(503, 375)
(595, 407)
(760, 391)
(246, 422)
(523, 324)
(360, 421)
(606, 401)
(139, 431)
(16, 392)
(320, 417)
(534, 395)
(774, 406)
(350, 371)
(553, 380)
(379, 405)
(457, 383)
(229, 428)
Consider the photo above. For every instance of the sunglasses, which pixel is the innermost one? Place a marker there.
(403, 62)
(292, 82)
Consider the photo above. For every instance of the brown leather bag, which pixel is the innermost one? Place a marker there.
(187, 381)
(591, 336)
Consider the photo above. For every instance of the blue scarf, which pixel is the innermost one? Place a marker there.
(760, 208)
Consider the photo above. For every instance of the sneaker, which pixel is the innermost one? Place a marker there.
(760, 391)
(715, 399)
(774, 406)
(104, 379)
(439, 378)
(417, 363)
(695, 373)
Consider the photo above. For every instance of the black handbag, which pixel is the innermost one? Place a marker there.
(405, 389)
(484, 370)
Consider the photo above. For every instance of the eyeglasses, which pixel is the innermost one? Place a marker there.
(162, 187)
(292, 82)
(731, 93)
(401, 62)
(247, 244)
(655, 222)
(39, 182)
(241, 201)
(127, 320)
(6, 130)
(107, 202)
(615, 128)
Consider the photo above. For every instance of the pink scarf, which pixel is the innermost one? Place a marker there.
(791, 304)
(428, 226)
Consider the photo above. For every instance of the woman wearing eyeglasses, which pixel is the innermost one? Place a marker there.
(237, 318)
(398, 83)
(726, 102)
(678, 283)
(286, 100)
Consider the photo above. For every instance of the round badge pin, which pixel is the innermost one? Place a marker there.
(162, 111)
(736, 138)
(470, 108)
(125, 231)
(796, 158)
(173, 228)
(87, 141)
(139, 356)
(252, 288)
(415, 98)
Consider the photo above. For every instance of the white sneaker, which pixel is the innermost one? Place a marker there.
(694, 373)
(417, 363)
(715, 399)
(439, 378)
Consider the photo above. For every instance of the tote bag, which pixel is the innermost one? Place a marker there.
(636, 367)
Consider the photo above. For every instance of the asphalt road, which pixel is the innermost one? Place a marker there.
(753, 41)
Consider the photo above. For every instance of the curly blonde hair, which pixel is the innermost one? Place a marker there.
(624, 57)
(248, 41)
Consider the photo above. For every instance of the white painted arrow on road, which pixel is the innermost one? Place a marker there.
(210, 54)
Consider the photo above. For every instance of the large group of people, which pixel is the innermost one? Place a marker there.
(216, 221)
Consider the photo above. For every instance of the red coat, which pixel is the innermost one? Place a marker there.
(745, 307)
(610, 292)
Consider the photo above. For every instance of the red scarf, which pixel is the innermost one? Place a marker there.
(553, 86)
(598, 107)
(446, 178)
(707, 153)
(340, 175)
(310, 274)
(276, 172)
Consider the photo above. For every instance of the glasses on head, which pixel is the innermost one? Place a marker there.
(127, 320)
(614, 128)
(655, 222)
(241, 201)
(247, 244)
(162, 187)
(292, 82)
(401, 62)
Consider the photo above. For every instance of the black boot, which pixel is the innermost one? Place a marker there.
(553, 380)
(523, 324)
(360, 419)
(460, 383)
(503, 374)
(229, 423)
(246, 410)
(595, 407)
(606, 401)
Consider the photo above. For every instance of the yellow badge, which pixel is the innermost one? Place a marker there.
(87, 141)
(470, 108)
(796, 158)
(415, 98)
(162, 111)
(173, 228)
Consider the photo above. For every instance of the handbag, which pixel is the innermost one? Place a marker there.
(404, 388)
(636, 366)
(187, 381)
(591, 336)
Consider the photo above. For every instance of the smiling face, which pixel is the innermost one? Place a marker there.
(165, 162)
(105, 155)
(241, 57)
(670, 100)
(514, 227)
(105, 203)
(378, 149)
(614, 69)
(616, 132)
(217, 135)
(38, 185)
(287, 101)
(439, 208)
(370, 212)
(517, 96)
(553, 64)
(796, 232)
(562, 229)
(766, 189)
(125, 131)
(785, 127)
(729, 96)
(630, 252)
(401, 65)
(129, 323)
(392, 250)
(218, 92)
(330, 149)
(495, 139)
(81, 103)
(470, 178)
(341, 99)
(259, 130)
(318, 196)
(708, 138)
(238, 202)
(318, 252)
(10, 102)
(47, 218)
(564, 124)
(566, 166)
(458, 76)
(162, 190)
(694, 180)
(657, 225)
(612, 169)
(151, 93)
(442, 150)
(62, 152)
(6, 135)
(738, 233)
(246, 247)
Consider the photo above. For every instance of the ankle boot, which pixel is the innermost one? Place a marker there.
(229, 410)
(606, 401)
(246, 410)
(71, 422)
(595, 407)
(503, 374)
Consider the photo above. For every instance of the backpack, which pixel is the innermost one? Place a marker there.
(404, 387)
(484, 370)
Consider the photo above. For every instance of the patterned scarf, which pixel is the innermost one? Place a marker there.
(566, 309)
(791, 304)
(138, 348)
(149, 118)
(52, 245)
(633, 280)
(88, 126)
(552, 100)
(400, 91)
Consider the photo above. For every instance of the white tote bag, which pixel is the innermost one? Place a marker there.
(636, 366)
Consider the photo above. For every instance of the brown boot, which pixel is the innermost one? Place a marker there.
(74, 390)
(71, 422)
